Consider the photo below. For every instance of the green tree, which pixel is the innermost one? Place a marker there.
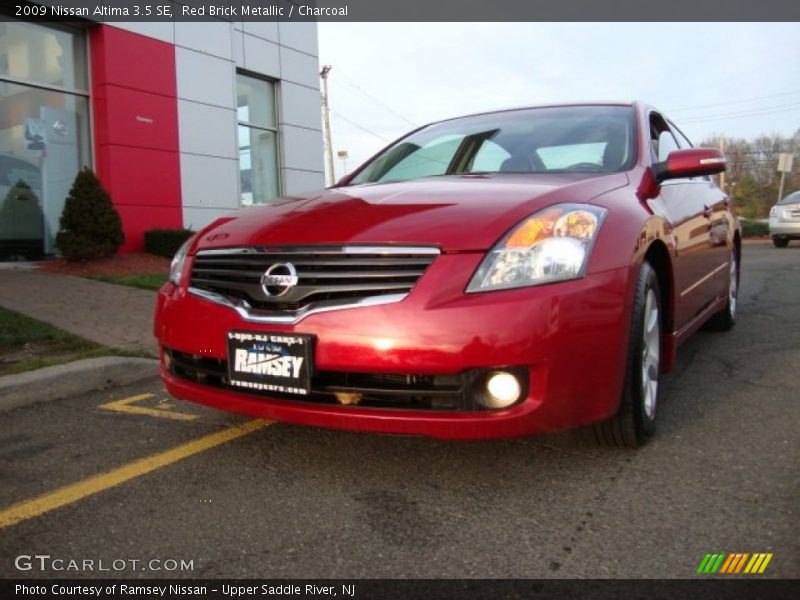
(752, 177)
(90, 226)
(746, 197)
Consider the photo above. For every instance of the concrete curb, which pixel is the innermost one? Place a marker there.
(72, 379)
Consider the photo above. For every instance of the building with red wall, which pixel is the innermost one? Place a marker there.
(183, 122)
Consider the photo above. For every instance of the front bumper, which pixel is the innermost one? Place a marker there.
(784, 227)
(570, 338)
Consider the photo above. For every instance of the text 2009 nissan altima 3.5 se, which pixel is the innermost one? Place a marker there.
(494, 275)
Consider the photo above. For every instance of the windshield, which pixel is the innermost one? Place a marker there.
(585, 139)
(793, 197)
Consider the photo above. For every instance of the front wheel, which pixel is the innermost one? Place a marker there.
(725, 319)
(780, 242)
(635, 421)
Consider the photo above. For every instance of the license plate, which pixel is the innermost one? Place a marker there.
(271, 362)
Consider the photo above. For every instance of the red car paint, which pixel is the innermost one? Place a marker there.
(570, 337)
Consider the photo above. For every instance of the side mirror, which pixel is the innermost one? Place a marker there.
(691, 162)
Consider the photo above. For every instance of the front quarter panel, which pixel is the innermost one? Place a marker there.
(633, 224)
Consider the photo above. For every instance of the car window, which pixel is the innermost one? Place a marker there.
(490, 157)
(662, 142)
(683, 141)
(791, 198)
(539, 140)
(561, 157)
(431, 159)
(666, 144)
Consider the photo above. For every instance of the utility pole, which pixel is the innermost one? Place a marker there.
(326, 125)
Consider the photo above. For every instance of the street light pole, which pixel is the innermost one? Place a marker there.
(326, 126)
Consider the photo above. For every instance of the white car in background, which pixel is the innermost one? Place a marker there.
(784, 220)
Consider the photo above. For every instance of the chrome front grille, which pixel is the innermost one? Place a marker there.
(309, 279)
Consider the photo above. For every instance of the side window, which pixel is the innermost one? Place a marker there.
(666, 144)
(683, 141)
(662, 142)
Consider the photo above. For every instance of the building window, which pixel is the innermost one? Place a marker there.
(258, 140)
(44, 131)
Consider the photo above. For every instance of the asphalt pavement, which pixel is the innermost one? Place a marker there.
(129, 474)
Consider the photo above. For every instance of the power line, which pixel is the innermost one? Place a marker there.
(357, 126)
(344, 80)
(752, 113)
(674, 110)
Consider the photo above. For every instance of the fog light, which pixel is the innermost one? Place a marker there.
(503, 390)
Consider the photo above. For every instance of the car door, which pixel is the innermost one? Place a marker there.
(721, 224)
(684, 201)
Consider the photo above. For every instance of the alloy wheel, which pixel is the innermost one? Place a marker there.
(651, 353)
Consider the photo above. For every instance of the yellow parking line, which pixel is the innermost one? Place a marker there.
(126, 406)
(82, 489)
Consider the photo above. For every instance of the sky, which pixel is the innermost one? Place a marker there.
(735, 79)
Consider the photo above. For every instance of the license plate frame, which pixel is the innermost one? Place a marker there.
(276, 362)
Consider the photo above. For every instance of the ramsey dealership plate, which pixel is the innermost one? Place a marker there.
(273, 362)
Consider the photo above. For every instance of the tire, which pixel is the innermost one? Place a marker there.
(780, 242)
(635, 421)
(725, 319)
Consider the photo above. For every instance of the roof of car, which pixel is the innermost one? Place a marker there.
(544, 105)
(792, 195)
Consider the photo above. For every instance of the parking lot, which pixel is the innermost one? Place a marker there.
(132, 479)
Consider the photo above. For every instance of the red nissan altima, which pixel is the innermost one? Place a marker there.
(494, 275)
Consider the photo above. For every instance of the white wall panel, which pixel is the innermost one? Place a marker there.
(301, 182)
(208, 37)
(302, 148)
(208, 55)
(267, 30)
(238, 48)
(209, 182)
(164, 31)
(205, 78)
(261, 56)
(299, 68)
(300, 105)
(208, 130)
(300, 36)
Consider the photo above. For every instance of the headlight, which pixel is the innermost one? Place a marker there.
(553, 244)
(176, 267)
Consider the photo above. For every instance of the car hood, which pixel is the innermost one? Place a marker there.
(455, 213)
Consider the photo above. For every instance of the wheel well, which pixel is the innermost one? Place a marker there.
(658, 257)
